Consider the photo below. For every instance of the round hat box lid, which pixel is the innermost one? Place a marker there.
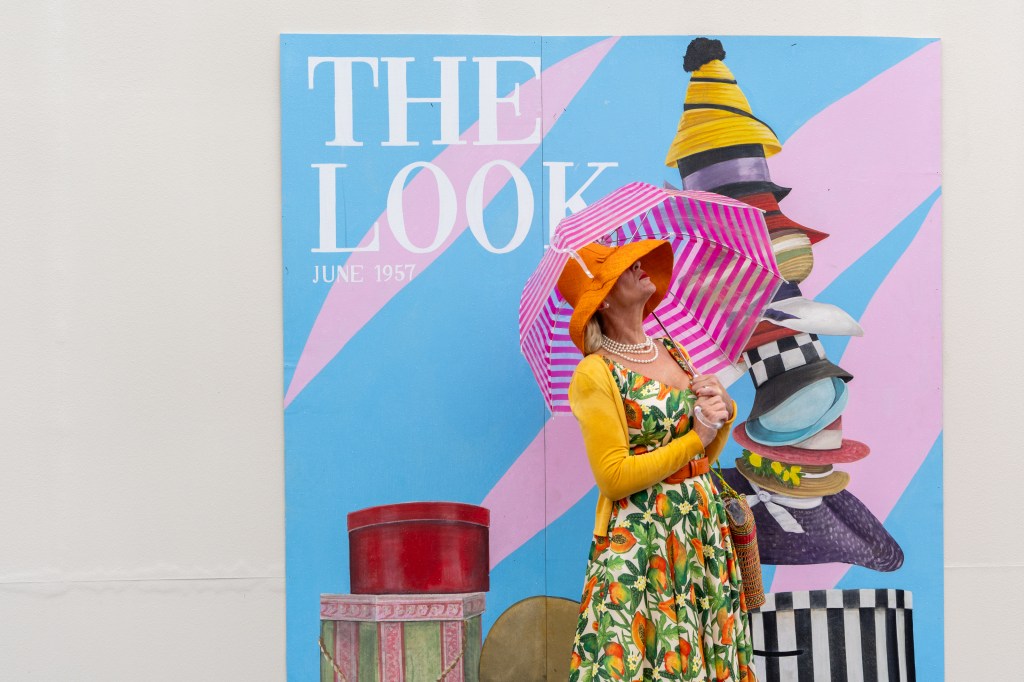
(419, 511)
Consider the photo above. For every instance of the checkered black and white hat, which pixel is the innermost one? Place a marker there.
(781, 368)
(772, 359)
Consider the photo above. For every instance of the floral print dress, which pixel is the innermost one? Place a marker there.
(663, 598)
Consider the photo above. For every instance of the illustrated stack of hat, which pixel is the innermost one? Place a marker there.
(722, 147)
(793, 435)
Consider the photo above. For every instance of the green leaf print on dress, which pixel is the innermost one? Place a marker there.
(663, 599)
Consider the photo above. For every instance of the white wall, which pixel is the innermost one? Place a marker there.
(141, 449)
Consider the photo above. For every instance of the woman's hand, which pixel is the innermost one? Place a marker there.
(713, 410)
(708, 386)
(714, 403)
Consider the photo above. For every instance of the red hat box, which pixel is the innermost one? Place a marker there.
(419, 548)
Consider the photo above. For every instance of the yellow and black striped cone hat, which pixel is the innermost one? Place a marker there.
(715, 112)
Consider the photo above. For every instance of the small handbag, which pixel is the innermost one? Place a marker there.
(744, 540)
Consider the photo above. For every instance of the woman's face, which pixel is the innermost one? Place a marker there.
(632, 289)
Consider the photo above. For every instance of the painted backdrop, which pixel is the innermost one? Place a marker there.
(422, 177)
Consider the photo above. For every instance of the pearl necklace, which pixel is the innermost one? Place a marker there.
(642, 347)
(621, 349)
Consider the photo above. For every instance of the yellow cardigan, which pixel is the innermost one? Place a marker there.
(597, 404)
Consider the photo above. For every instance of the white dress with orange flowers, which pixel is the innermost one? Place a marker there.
(663, 598)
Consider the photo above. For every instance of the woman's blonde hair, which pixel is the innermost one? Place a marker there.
(592, 336)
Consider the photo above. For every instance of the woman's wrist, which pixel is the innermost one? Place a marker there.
(706, 433)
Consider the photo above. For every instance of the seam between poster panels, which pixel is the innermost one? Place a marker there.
(543, 231)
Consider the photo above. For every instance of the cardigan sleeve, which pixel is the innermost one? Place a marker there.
(715, 447)
(618, 473)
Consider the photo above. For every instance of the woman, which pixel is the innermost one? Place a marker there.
(663, 598)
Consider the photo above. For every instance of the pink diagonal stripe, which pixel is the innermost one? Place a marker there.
(517, 502)
(346, 308)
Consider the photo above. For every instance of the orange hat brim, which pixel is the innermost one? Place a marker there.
(658, 260)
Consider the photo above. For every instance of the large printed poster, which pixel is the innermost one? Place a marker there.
(423, 179)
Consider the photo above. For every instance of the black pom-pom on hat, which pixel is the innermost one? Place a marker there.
(700, 51)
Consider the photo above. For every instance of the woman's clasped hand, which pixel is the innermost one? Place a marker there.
(714, 404)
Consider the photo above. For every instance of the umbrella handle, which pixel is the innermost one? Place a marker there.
(576, 257)
(699, 414)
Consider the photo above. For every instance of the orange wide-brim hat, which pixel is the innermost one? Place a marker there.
(585, 290)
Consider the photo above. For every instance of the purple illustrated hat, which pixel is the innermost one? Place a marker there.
(735, 171)
(839, 528)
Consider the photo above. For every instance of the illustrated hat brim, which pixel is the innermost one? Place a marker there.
(766, 332)
(835, 482)
(765, 436)
(781, 388)
(851, 450)
(738, 190)
(704, 129)
(791, 310)
(841, 529)
(813, 317)
(607, 264)
(775, 219)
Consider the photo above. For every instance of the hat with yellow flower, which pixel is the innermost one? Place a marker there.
(787, 478)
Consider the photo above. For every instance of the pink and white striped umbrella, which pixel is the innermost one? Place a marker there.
(724, 277)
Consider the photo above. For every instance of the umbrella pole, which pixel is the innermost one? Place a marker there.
(686, 363)
(658, 320)
(689, 368)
